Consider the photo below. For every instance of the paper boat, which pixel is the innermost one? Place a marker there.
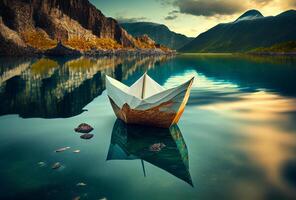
(148, 103)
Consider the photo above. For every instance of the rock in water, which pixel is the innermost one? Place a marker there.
(77, 198)
(86, 136)
(56, 165)
(157, 147)
(81, 184)
(84, 128)
(42, 164)
(62, 149)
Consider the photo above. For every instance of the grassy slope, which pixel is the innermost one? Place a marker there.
(285, 47)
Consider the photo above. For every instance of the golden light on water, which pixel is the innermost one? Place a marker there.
(256, 106)
(270, 148)
(267, 142)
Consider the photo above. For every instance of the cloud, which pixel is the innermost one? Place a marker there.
(172, 15)
(209, 7)
(131, 20)
(220, 8)
(291, 3)
(165, 2)
(173, 12)
(261, 2)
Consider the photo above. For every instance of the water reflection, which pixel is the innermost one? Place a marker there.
(130, 142)
(249, 72)
(266, 122)
(61, 87)
(239, 123)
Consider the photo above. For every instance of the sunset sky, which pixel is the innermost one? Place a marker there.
(189, 17)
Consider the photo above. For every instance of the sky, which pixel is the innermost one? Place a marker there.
(188, 17)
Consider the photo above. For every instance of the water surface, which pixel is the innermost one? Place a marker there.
(236, 139)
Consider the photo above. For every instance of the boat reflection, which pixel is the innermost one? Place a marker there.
(130, 142)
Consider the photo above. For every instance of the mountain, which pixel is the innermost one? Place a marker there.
(34, 26)
(249, 15)
(158, 32)
(249, 31)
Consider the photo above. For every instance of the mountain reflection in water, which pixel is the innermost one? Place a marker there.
(59, 87)
(239, 127)
(130, 142)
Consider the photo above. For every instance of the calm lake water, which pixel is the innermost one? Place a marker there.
(236, 139)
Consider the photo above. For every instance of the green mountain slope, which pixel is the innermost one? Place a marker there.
(285, 47)
(248, 32)
(158, 32)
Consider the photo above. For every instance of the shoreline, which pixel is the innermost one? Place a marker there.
(139, 52)
(240, 53)
(120, 52)
(273, 53)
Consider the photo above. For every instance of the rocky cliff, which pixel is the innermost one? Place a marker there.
(30, 26)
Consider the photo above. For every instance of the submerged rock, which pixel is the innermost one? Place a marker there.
(56, 165)
(77, 198)
(157, 147)
(86, 136)
(62, 149)
(84, 128)
(41, 164)
(81, 184)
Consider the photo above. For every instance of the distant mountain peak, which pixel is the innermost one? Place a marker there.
(244, 36)
(250, 15)
(160, 33)
(288, 12)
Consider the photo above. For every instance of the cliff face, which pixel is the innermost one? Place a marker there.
(42, 23)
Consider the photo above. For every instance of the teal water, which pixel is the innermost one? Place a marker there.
(235, 140)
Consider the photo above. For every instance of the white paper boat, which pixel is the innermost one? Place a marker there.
(146, 102)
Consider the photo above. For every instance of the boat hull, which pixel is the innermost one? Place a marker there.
(163, 115)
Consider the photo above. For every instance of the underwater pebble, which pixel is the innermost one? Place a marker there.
(81, 184)
(62, 149)
(86, 136)
(77, 198)
(41, 164)
(84, 128)
(56, 165)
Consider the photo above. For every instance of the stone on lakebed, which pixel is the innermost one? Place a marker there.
(81, 184)
(84, 128)
(56, 165)
(62, 149)
(86, 136)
